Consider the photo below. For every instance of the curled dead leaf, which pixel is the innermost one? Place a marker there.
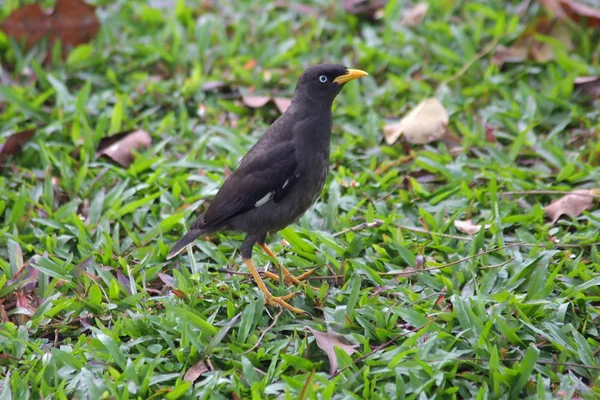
(423, 124)
(73, 22)
(282, 103)
(469, 227)
(119, 147)
(572, 204)
(415, 15)
(516, 53)
(589, 85)
(363, 8)
(167, 280)
(327, 341)
(579, 12)
(15, 143)
(195, 371)
(527, 47)
(554, 7)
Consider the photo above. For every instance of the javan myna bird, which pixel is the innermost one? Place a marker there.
(281, 176)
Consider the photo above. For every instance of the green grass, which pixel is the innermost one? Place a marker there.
(99, 313)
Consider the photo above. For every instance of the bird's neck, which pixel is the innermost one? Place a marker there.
(314, 121)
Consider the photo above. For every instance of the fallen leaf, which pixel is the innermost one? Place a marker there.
(327, 341)
(250, 64)
(363, 8)
(15, 143)
(572, 204)
(527, 47)
(282, 103)
(124, 281)
(543, 52)
(25, 307)
(73, 22)
(214, 86)
(255, 101)
(167, 279)
(518, 52)
(555, 8)
(195, 371)
(578, 12)
(419, 262)
(423, 124)
(119, 147)
(589, 85)
(469, 227)
(415, 15)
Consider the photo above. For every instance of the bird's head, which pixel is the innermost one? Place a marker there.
(322, 82)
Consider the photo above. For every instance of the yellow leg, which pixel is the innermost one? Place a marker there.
(288, 278)
(269, 298)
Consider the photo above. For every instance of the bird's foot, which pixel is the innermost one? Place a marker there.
(282, 301)
(269, 298)
(290, 279)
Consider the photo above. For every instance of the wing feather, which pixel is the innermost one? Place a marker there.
(260, 173)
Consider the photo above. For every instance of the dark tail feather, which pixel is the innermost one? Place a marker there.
(184, 241)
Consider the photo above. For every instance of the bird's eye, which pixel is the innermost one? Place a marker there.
(322, 78)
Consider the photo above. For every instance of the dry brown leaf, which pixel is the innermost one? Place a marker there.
(326, 342)
(415, 15)
(255, 101)
(73, 22)
(363, 8)
(195, 371)
(469, 227)
(167, 280)
(282, 103)
(26, 306)
(543, 52)
(578, 12)
(572, 204)
(555, 8)
(119, 147)
(423, 124)
(589, 85)
(15, 143)
(526, 46)
(516, 53)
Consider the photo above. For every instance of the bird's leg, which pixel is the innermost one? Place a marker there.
(288, 278)
(269, 298)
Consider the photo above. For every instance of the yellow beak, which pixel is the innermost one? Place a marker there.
(350, 75)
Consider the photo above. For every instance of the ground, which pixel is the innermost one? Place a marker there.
(418, 308)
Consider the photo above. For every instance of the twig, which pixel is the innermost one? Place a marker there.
(363, 225)
(265, 332)
(382, 346)
(542, 362)
(478, 56)
(377, 223)
(457, 261)
(483, 52)
(498, 265)
(527, 192)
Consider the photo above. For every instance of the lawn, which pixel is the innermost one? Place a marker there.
(410, 299)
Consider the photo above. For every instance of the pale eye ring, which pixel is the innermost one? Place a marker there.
(322, 78)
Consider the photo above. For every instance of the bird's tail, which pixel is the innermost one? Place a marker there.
(184, 241)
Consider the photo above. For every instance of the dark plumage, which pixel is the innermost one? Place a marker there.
(283, 173)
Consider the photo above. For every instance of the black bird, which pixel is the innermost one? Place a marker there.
(281, 176)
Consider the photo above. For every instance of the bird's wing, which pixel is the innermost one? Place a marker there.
(266, 173)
